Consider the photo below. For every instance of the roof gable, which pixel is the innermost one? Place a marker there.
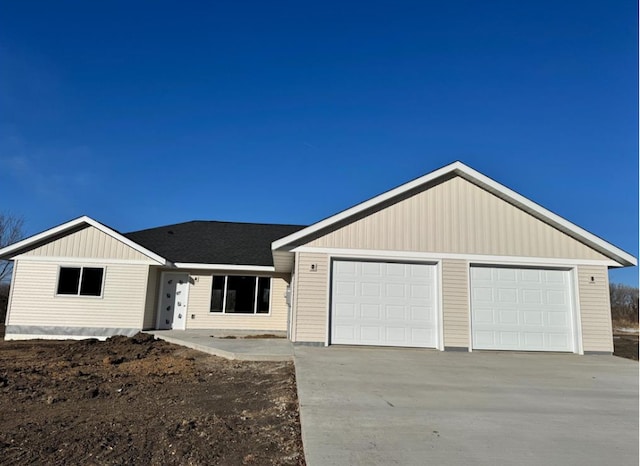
(379, 203)
(86, 235)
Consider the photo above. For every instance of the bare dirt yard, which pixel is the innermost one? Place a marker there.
(143, 401)
(626, 345)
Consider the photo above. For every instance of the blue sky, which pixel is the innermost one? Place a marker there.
(148, 113)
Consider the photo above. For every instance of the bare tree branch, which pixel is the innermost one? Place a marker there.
(11, 231)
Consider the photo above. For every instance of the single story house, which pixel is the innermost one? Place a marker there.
(452, 260)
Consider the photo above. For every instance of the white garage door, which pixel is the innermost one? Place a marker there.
(521, 309)
(386, 304)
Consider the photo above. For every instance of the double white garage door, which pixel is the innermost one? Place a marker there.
(396, 304)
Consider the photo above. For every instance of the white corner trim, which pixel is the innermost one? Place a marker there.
(248, 268)
(471, 258)
(74, 223)
(623, 258)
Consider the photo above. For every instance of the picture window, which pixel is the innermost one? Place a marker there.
(240, 294)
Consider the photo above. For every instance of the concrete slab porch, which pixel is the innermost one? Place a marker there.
(241, 348)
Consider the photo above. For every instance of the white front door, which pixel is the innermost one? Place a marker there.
(174, 295)
(384, 304)
(521, 309)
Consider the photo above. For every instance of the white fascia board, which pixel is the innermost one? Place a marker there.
(471, 258)
(621, 257)
(247, 268)
(74, 223)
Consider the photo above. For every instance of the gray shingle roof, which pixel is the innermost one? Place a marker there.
(210, 242)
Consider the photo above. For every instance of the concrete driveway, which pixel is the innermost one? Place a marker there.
(374, 406)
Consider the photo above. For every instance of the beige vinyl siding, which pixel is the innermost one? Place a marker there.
(200, 300)
(311, 298)
(88, 243)
(595, 309)
(455, 303)
(34, 300)
(457, 217)
(151, 299)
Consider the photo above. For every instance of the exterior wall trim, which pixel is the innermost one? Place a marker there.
(472, 258)
(248, 268)
(440, 304)
(11, 288)
(577, 318)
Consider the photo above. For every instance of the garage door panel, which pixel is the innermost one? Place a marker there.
(506, 275)
(394, 290)
(558, 319)
(394, 312)
(485, 338)
(532, 318)
(396, 335)
(532, 296)
(370, 311)
(370, 289)
(523, 309)
(345, 268)
(507, 295)
(558, 298)
(387, 304)
(558, 340)
(482, 295)
(420, 291)
(508, 317)
(345, 288)
(370, 268)
(555, 276)
(533, 340)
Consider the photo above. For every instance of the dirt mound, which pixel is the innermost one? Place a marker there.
(143, 401)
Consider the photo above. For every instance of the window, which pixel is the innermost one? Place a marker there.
(80, 281)
(240, 294)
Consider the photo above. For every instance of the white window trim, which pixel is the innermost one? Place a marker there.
(81, 267)
(255, 296)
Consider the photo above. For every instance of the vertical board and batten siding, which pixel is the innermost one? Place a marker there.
(200, 301)
(34, 300)
(595, 309)
(459, 217)
(455, 303)
(88, 243)
(151, 300)
(310, 297)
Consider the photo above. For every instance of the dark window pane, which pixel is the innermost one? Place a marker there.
(91, 281)
(217, 290)
(264, 293)
(68, 280)
(241, 292)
